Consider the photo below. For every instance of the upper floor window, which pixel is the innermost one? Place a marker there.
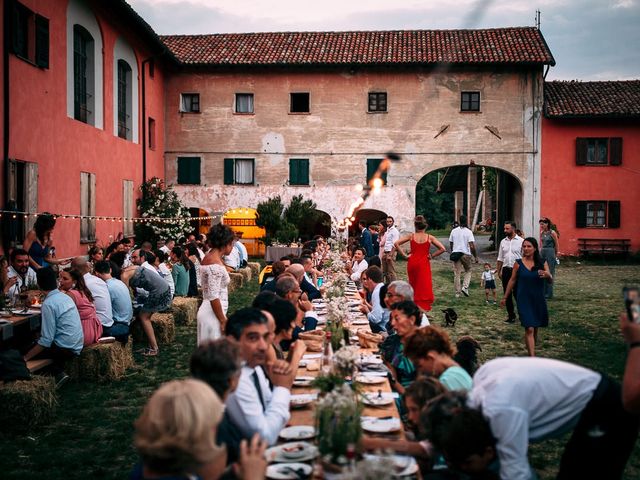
(299, 103)
(189, 170)
(598, 214)
(244, 102)
(29, 35)
(239, 171)
(87, 207)
(124, 100)
(83, 74)
(470, 102)
(377, 101)
(372, 168)
(190, 102)
(298, 171)
(599, 151)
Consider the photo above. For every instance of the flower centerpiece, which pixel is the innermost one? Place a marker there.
(345, 360)
(338, 424)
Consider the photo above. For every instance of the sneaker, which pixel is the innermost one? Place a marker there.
(61, 379)
(465, 291)
(487, 302)
(494, 302)
(510, 320)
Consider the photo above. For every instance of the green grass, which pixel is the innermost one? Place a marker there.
(91, 436)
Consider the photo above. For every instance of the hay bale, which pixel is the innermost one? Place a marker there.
(255, 268)
(101, 361)
(185, 310)
(164, 328)
(27, 403)
(246, 273)
(236, 281)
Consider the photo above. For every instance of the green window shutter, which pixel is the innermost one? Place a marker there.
(298, 171)
(615, 151)
(228, 171)
(42, 41)
(293, 171)
(303, 172)
(581, 214)
(613, 214)
(189, 170)
(581, 151)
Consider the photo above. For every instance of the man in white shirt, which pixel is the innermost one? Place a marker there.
(359, 265)
(374, 311)
(509, 251)
(98, 289)
(462, 244)
(254, 407)
(518, 400)
(242, 250)
(168, 246)
(388, 253)
(20, 270)
(232, 261)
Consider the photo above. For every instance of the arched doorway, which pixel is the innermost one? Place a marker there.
(485, 195)
(321, 226)
(200, 220)
(368, 215)
(243, 220)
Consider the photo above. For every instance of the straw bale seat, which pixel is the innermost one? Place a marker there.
(164, 327)
(246, 273)
(27, 403)
(185, 310)
(237, 280)
(101, 361)
(255, 268)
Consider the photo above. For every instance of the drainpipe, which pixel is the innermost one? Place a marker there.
(5, 111)
(144, 119)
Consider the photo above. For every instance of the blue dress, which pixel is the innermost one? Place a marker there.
(532, 306)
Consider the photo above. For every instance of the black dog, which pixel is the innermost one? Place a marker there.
(450, 317)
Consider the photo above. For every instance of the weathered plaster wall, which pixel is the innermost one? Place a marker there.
(338, 134)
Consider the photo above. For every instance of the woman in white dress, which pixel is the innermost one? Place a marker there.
(212, 315)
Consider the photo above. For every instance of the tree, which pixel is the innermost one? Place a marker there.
(286, 224)
(269, 217)
(437, 207)
(160, 201)
(302, 214)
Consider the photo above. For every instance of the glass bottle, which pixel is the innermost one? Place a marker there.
(327, 355)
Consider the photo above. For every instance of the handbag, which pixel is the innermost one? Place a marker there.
(455, 256)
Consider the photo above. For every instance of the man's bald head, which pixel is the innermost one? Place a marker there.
(81, 265)
(296, 270)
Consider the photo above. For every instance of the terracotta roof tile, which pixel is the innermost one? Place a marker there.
(592, 99)
(519, 45)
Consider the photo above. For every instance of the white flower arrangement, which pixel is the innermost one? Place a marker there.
(346, 358)
(337, 307)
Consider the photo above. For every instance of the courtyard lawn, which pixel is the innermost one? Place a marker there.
(91, 436)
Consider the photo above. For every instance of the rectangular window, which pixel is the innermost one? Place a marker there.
(244, 102)
(372, 167)
(190, 102)
(29, 35)
(470, 102)
(152, 134)
(239, 171)
(189, 170)
(87, 207)
(599, 151)
(298, 171)
(128, 210)
(124, 100)
(598, 214)
(299, 103)
(22, 196)
(377, 101)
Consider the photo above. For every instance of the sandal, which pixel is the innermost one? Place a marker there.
(151, 352)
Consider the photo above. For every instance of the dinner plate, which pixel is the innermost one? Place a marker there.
(371, 360)
(291, 452)
(303, 381)
(360, 322)
(373, 400)
(22, 312)
(301, 401)
(298, 432)
(289, 471)
(377, 425)
(366, 380)
(402, 465)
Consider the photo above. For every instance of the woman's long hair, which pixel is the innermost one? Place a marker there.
(182, 256)
(80, 285)
(538, 262)
(44, 223)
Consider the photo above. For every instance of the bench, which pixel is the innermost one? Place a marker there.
(604, 246)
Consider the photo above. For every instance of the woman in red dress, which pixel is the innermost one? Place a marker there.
(418, 265)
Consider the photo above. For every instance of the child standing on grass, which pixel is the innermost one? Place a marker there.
(488, 282)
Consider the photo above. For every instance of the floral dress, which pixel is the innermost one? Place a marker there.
(215, 281)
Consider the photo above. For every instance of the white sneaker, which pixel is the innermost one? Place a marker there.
(465, 291)
(457, 295)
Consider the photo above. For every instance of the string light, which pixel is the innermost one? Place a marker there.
(26, 215)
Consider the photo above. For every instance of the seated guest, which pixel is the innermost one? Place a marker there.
(168, 246)
(254, 407)
(269, 283)
(194, 269)
(121, 306)
(311, 274)
(232, 259)
(399, 291)
(179, 271)
(157, 300)
(5, 282)
(374, 310)
(359, 265)
(288, 288)
(72, 283)
(20, 270)
(218, 364)
(515, 401)
(117, 260)
(175, 435)
(161, 267)
(242, 250)
(98, 289)
(96, 254)
(430, 350)
(61, 336)
(297, 270)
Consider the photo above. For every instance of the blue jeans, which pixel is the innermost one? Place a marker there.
(118, 330)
